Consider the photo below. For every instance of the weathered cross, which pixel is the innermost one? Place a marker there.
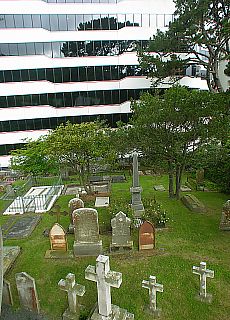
(105, 279)
(58, 212)
(204, 274)
(73, 289)
(153, 288)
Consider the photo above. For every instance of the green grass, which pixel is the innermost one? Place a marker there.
(189, 239)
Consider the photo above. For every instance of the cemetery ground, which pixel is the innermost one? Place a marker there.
(189, 239)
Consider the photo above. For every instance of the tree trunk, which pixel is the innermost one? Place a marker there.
(170, 173)
(179, 171)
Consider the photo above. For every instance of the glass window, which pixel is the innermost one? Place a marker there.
(48, 49)
(65, 75)
(30, 48)
(11, 101)
(62, 22)
(13, 48)
(8, 75)
(16, 75)
(18, 21)
(57, 75)
(27, 21)
(71, 24)
(53, 22)
(2, 21)
(113, 22)
(44, 99)
(79, 21)
(39, 49)
(96, 22)
(36, 21)
(3, 102)
(2, 77)
(33, 75)
(4, 49)
(91, 73)
(75, 74)
(10, 21)
(45, 21)
(49, 75)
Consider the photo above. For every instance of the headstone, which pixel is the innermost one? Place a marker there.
(106, 279)
(136, 190)
(73, 290)
(7, 294)
(118, 179)
(58, 239)
(10, 254)
(121, 238)
(200, 176)
(204, 274)
(185, 188)
(225, 217)
(74, 204)
(57, 212)
(27, 292)
(101, 187)
(86, 231)
(101, 202)
(153, 288)
(146, 236)
(19, 227)
(1, 268)
(193, 204)
(159, 187)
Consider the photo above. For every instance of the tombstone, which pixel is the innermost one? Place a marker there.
(19, 227)
(7, 294)
(1, 268)
(153, 288)
(193, 204)
(136, 203)
(118, 179)
(10, 254)
(27, 292)
(225, 217)
(106, 279)
(58, 212)
(58, 240)
(185, 188)
(159, 187)
(101, 202)
(146, 236)
(86, 231)
(204, 274)
(73, 290)
(200, 176)
(121, 238)
(74, 204)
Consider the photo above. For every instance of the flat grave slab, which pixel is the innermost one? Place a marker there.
(184, 188)
(72, 190)
(102, 202)
(19, 227)
(51, 254)
(118, 178)
(10, 254)
(159, 187)
(193, 204)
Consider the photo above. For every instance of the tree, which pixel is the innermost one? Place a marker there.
(171, 127)
(201, 29)
(80, 147)
(33, 159)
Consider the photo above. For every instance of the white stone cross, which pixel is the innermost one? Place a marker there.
(153, 288)
(105, 279)
(204, 274)
(73, 289)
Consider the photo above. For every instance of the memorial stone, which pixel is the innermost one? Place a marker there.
(73, 290)
(193, 204)
(200, 176)
(74, 204)
(27, 292)
(7, 294)
(225, 217)
(159, 187)
(58, 212)
(204, 274)
(58, 239)
(106, 279)
(86, 231)
(121, 238)
(146, 236)
(20, 227)
(136, 203)
(101, 202)
(153, 287)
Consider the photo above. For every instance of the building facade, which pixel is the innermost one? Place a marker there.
(71, 60)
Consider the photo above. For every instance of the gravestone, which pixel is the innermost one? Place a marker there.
(121, 238)
(10, 254)
(159, 187)
(200, 176)
(225, 217)
(20, 227)
(136, 203)
(204, 274)
(185, 188)
(118, 179)
(153, 288)
(57, 212)
(101, 187)
(106, 279)
(1, 269)
(101, 202)
(7, 294)
(193, 204)
(27, 292)
(73, 290)
(86, 231)
(74, 204)
(146, 236)
(58, 239)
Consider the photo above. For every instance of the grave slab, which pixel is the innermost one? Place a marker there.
(19, 227)
(159, 187)
(102, 202)
(10, 254)
(193, 204)
(184, 188)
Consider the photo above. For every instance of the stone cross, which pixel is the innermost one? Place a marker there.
(58, 212)
(204, 274)
(136, 190)
(1, 268)
(27, 291)
(73, 290)
(153, 287)
(105, 279)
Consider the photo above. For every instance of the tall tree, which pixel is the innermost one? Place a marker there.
(172, 126)
(202, 29)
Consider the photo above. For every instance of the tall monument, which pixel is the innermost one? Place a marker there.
(136, 190)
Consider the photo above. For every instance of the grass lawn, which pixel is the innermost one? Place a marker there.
(190, 238)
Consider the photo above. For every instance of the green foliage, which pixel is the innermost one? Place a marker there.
(198, 24)
(155, 213)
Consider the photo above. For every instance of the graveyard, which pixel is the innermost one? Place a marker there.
(173, 266)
